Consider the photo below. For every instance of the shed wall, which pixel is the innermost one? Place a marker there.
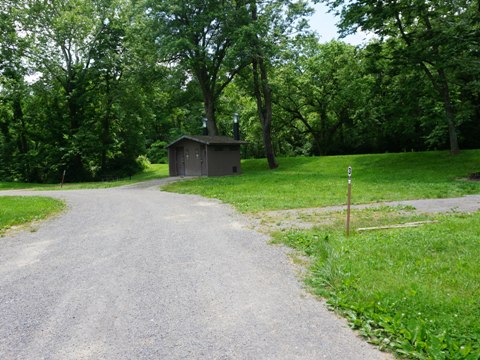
(222, 159)
(191, 158)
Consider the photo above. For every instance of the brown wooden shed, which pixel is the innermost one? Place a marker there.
(204, 156)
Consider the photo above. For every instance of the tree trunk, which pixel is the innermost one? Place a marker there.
(209, 105)
(72, 104)
(264, 108)
(106, 125)
(18, 117)
(449, 112)
(75, 168)
(263, 95)
(22, 136)
(317, 141)
(441, 85)
(208, 93)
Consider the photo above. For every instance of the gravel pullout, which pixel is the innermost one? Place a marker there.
(464, 204)
(135, 273)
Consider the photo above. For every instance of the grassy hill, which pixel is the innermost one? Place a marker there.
(319, 181)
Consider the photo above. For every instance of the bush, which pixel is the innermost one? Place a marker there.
(157, 154)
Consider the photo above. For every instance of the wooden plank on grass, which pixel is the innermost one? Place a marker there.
(397, 226)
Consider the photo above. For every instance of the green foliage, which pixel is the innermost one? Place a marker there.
(87, 87)
(414, 291)
(82, 113)
(437, 38)
(143, 162)
(16, 210)
(200, 38)
(379, 177)
(157, 153)
(324, 92)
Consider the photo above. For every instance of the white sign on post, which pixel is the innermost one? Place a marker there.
(348, 198)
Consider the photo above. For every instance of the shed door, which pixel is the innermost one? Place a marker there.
(180, 160)
(194, 160)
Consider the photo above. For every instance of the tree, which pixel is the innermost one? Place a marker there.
(13, 128)
(271, 24)
(261, 86)
(85, 91)
(200, 37)
(323, 89)
(433, 35)
(62, 36)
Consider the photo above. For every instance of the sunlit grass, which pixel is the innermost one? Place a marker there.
(16, 210)
(321, 181)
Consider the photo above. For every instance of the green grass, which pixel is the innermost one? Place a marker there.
(320, 181)
(415, 291)
(17, 210)
(154, 171)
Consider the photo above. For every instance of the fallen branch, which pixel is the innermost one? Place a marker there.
(397, 226)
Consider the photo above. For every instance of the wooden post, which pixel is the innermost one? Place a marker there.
(63, 178)
(348, 198)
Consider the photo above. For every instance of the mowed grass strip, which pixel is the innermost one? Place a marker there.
(154, 171)
(17, 210)
(415, 291)
(320, 181)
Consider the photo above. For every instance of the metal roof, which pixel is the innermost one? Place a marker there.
(209, 140)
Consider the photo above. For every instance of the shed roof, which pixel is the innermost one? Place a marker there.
(209, 140)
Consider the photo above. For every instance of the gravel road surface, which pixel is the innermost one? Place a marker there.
(136, 273)
(464, 204)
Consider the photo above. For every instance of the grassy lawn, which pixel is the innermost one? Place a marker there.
(313, 182)
(414, 291)
(154, 171)
(16, 210)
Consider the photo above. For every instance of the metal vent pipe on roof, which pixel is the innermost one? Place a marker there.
(236, 127)
(204, 126)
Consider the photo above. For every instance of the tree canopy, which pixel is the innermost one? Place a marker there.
(94, 88)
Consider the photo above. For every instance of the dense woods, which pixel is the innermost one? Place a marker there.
(96, 88)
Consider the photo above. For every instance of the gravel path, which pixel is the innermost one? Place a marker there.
(466, 204)
(135, 273)
(307, 218)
